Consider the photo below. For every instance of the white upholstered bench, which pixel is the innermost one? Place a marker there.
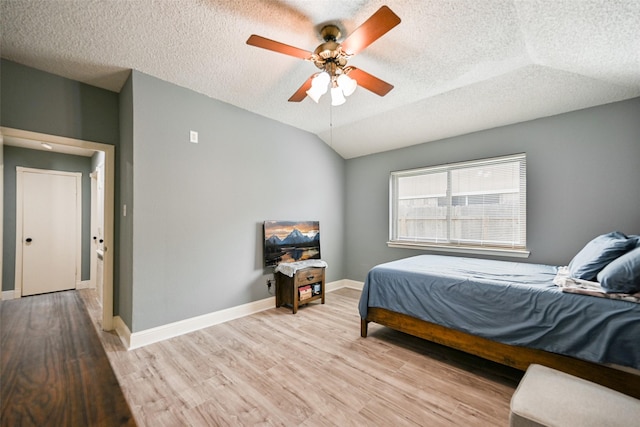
(547, 397)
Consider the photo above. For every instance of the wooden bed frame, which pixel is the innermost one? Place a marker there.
(514, 356)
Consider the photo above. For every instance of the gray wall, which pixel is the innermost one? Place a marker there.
(123, 259)
(582, 180)
(199, 208)
(191, 242)
(42, 102)
(13, 157)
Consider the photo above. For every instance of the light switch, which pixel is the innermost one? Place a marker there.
(193, 136)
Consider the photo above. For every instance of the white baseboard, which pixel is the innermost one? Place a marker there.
(133, 340)
(353, 284)
(344, 283)
(7, 295)
(122, 330)
(160, 333)
(83, 284)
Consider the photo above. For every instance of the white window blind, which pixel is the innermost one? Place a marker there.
(479, 203)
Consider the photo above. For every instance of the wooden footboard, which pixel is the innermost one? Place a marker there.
(514, 356)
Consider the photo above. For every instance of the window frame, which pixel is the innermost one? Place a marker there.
(447, 245)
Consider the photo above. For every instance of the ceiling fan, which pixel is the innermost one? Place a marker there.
(331, 57)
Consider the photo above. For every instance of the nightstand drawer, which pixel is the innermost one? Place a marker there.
(309, 276)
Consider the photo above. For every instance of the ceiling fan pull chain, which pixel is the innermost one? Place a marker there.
(330, 125)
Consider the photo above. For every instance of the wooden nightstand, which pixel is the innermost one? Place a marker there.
(288, 288)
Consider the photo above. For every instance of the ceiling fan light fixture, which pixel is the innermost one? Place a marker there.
(337, 97)
(331, 57)
(315, 93)
(322, 81)
(347, 84)
(319, 86)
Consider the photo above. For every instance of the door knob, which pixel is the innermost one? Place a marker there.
(29, 240)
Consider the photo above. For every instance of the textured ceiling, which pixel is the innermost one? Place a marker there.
(458, 66)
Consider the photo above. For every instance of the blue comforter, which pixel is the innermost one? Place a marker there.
(513, 303)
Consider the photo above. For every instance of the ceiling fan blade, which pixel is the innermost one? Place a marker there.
(371, 30)
(369, 82)
(302, 92)
(259, 41)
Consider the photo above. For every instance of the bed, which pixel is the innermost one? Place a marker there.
(508, 312)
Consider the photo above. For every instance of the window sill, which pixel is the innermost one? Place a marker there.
(515, 253)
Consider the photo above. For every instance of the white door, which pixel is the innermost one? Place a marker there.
(97, 230)
(50, 231)
(99, 253)
(93, 259)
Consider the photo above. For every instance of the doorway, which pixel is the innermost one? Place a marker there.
(48, 230)
(35, 140)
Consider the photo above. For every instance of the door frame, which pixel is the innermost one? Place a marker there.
(109, 203)
(20, 170)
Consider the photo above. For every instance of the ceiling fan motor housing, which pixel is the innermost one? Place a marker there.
(329, 56)
(330, 33)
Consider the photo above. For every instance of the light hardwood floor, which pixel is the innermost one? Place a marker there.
(307, 369)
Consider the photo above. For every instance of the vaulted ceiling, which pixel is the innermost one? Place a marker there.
(458, 66)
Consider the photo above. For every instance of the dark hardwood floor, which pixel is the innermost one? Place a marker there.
(53, 368)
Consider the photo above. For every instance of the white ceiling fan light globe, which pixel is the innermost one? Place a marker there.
(321, 82)
(323, 79)
(319, 86)
(347, 84)
(315, 93)
(337, 97)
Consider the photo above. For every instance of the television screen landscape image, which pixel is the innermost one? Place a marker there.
(290, 241)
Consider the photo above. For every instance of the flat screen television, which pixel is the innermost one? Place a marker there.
(290, 241)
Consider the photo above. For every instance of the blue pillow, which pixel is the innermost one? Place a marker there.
(598, 253)
(622, 275)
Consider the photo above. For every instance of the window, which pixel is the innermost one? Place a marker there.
(469, 206)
